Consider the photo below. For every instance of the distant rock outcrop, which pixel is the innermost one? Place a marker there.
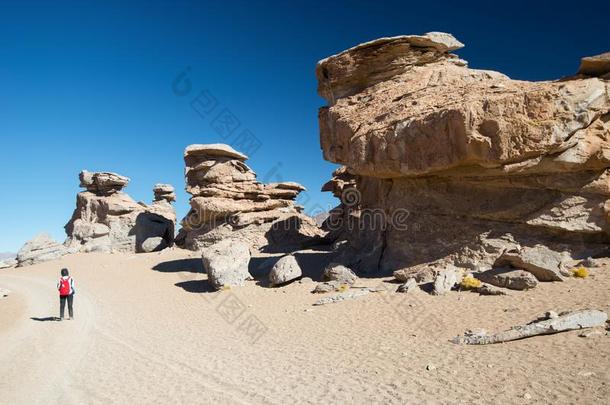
(7, 260)
(446, 164)
(164, 192)
(40, 249)
(7, 263)
(228, 202)
(107, 219)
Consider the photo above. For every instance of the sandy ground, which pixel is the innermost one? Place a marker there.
(147, 330)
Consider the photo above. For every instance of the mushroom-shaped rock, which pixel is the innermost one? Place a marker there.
(102, 182)
(214, 149)
(597, 65)
(364, 65)
(449, 163)
(106, 219)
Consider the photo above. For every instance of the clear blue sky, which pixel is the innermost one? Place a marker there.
(89, 84)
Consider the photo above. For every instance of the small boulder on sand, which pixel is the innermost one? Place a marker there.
(226, 263)
(488, 289)
(509, 278)
(326, 287)
(539, 260)
(286, 269)
(338, 272)
(446, 279)
(409, 287)
(154, 244)
(421, 274)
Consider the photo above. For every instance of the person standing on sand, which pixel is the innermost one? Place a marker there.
(65, 286)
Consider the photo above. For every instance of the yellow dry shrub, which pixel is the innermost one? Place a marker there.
(469, 283)
(343, 287)
(580, 272)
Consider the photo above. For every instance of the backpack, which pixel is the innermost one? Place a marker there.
(64, 286)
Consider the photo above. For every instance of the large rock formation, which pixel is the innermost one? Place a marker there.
(40, 249)
(107, 219)
(443, 163)
(228, 202)
(7, 260)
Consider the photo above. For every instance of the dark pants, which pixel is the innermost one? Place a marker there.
(62, 305)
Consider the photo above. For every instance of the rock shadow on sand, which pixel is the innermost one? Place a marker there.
(175, 266)
(196, 286)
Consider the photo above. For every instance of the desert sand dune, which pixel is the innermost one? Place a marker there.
(148, 329)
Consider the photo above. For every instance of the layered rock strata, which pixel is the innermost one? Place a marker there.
(228, 202)
(459, 165)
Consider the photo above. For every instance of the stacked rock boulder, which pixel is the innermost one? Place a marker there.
(463, 165)
(107, 219)
(156, 227)
(164, 192)
(228, 202)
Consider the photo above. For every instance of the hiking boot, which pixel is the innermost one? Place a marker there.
(60, 319)
(71, 318)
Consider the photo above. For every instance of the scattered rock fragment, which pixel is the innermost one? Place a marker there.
(565, 321)
(590, 262)
(421, 274)
(352, 294)
(593, 333)
(409, 287)
(487, 289)
(446, 279)
(509, 278)
(339, 273)
(326, 287)
(586, 373)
